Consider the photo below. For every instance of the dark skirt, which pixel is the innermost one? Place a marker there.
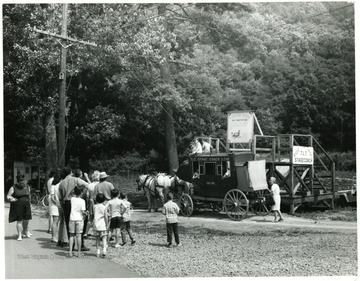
(20, 210)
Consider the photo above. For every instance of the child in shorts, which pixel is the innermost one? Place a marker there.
(116, 219)
(76, 223)
(125, 227)
(100, 223)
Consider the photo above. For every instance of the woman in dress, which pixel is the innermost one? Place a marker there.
(54, 205)
(20, 208)
(275, 192)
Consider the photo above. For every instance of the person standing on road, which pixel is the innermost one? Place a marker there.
(48, 186)
(100, 223)
(54, 205)
(20, 207)
(116, 220)
(275, 192)
(86, 196)
(76, 223)
(171, 211)
(95, 177)
(66, 192)
(103, 187)
(125, 212)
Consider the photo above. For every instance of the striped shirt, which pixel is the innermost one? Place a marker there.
(171, 211)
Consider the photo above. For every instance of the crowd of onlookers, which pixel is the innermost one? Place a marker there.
(77, 205)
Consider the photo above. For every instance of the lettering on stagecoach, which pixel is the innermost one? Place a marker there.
(210, 159)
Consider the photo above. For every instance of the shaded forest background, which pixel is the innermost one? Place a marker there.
(293, 64)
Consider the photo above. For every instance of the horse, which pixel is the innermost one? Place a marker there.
(154, 186)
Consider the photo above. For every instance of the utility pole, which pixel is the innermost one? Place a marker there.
(62, 89)
(62, 78)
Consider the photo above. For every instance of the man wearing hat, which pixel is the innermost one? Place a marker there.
(103, 187)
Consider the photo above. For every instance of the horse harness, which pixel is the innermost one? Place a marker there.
(150, 178)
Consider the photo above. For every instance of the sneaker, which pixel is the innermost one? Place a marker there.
(104, 254)
(85, 249)
(19, 238)
(123, 244)
(98, 253)
(49, 231)
(117, 245)
(178, 245)
(168, 245)
(280, 220)
(133, 242)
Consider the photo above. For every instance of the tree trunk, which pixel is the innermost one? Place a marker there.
(170, 139)
(50, 143)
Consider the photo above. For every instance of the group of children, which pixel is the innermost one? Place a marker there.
(112, 218)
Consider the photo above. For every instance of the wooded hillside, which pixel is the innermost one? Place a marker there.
(163, 73)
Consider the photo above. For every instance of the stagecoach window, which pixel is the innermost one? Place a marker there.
(210, 168)
(219, 170)
(201, 168)
(196, 167)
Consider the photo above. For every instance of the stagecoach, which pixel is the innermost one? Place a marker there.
(232, 181)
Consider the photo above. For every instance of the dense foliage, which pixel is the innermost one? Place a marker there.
(293, 64)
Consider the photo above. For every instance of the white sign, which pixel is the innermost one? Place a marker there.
(303, 155)
(240, 127)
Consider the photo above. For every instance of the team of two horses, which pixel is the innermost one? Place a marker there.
(159, 186)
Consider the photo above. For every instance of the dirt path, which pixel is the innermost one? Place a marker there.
(219, 221)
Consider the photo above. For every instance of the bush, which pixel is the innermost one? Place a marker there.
(344, 161)
(131, 162)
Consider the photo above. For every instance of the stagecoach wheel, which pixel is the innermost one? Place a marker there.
(186, 205)
(259, 206)
(236, 204)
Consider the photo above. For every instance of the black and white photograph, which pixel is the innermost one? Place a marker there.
(195, 140)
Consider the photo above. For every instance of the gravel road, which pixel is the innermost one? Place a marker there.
(214, 246)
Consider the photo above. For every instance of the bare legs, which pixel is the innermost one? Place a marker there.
(55, 229)
(104, 242)
(277, 213)
(72, 242)
(22, 228)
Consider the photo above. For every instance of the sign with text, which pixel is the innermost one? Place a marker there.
(240, 127)
(303, 155)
